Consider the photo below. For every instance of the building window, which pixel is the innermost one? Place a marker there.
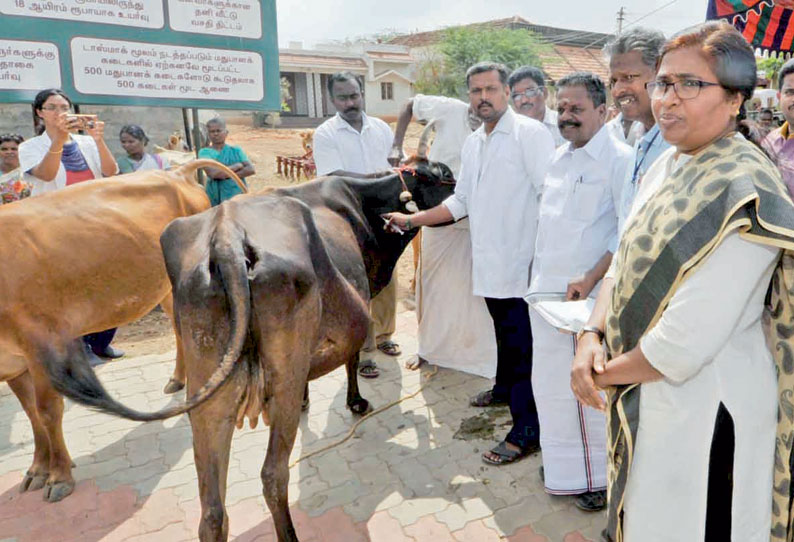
(387, 91)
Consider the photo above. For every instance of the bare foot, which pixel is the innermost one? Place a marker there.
(414, 363)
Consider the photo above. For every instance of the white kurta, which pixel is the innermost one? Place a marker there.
(578, 225)
(455, 329)
(710, 346)
(500, 181)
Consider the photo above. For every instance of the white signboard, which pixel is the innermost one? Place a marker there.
(128, 68)
(238, 18)
(29, 65)
(137, 13)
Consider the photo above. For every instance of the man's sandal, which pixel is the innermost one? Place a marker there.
(505, 455)
(592, 501)
(390, 348)
(368, 369)
(486, 398)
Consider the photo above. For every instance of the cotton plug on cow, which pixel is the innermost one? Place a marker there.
(271, 290)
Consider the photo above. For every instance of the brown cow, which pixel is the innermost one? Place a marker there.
(78, 261)
(270, 291)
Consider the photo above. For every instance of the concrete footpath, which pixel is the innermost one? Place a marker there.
(413, 473)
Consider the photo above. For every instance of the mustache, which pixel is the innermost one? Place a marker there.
(489, 104)
(566, 123)
(351, 109)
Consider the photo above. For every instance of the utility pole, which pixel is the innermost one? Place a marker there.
(621, 18)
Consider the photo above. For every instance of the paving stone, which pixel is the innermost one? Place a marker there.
(457, 515)
(403, 468)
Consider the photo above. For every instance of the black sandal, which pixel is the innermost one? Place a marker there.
(592, 501)
(505, 454)
(485, 399)
(368, 369)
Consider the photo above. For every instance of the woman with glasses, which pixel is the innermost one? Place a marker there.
(60, 157)
(693, 396)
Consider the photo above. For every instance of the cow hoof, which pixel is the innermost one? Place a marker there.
(360, 407)
(173, 386)
(33, 482)
(58, 491)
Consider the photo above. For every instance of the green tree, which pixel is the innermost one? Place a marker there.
(771, 67)
(443, 70)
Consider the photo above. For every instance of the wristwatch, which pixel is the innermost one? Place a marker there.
(590, 329)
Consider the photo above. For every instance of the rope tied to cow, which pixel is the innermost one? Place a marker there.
(372, 414)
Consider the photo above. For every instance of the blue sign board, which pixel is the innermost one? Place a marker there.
(210, 54)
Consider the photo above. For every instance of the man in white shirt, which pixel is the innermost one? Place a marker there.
(354, 144)
(503, 166)
(577, 235)
(632, 58)
(455, 329)
(529, 94)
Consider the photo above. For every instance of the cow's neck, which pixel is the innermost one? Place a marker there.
(381, 249)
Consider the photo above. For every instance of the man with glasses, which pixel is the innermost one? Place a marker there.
(632, 60)
(351, 143)
(529, 93)
(577, 236)
(503, 165)
(779, 144)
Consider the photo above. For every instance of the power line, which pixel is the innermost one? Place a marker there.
(621, 18)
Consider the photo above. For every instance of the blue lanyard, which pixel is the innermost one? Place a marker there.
(637, 166)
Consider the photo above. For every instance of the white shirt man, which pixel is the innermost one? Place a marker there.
(340, 147)
(455, 329)
(500, 183)
(353, 143)
(503, 166)
(577, 235)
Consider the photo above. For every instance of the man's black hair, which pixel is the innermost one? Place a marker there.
(590, 81)
(526, 72)
(488, 66)
(341, 77)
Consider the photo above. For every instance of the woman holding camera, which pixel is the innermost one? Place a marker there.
(60, 157)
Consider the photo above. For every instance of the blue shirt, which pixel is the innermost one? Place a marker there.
(646, 150)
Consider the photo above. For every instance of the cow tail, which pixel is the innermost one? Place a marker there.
(72, 375)
(191, 167)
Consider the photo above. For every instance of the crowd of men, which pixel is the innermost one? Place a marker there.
(540, 200)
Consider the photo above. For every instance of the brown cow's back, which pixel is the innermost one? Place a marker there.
(101, 241)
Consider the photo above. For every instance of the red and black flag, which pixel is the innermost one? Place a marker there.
(765, 24)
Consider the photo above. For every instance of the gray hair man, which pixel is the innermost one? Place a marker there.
(633, 56)
(529, 94)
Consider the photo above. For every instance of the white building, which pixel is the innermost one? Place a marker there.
(385, 72)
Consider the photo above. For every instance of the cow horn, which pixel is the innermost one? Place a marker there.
(421, 150)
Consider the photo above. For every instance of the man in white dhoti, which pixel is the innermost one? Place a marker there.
(529, 94)
(455, 328)
(354, 144)
(503, 166)
(577, 235)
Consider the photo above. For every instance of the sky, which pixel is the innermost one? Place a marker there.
(316, 21)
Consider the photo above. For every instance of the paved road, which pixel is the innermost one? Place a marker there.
(413, 473)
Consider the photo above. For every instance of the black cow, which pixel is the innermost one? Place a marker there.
(271, 290)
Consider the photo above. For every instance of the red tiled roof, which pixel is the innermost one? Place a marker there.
(566, 59)
(330, 62)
